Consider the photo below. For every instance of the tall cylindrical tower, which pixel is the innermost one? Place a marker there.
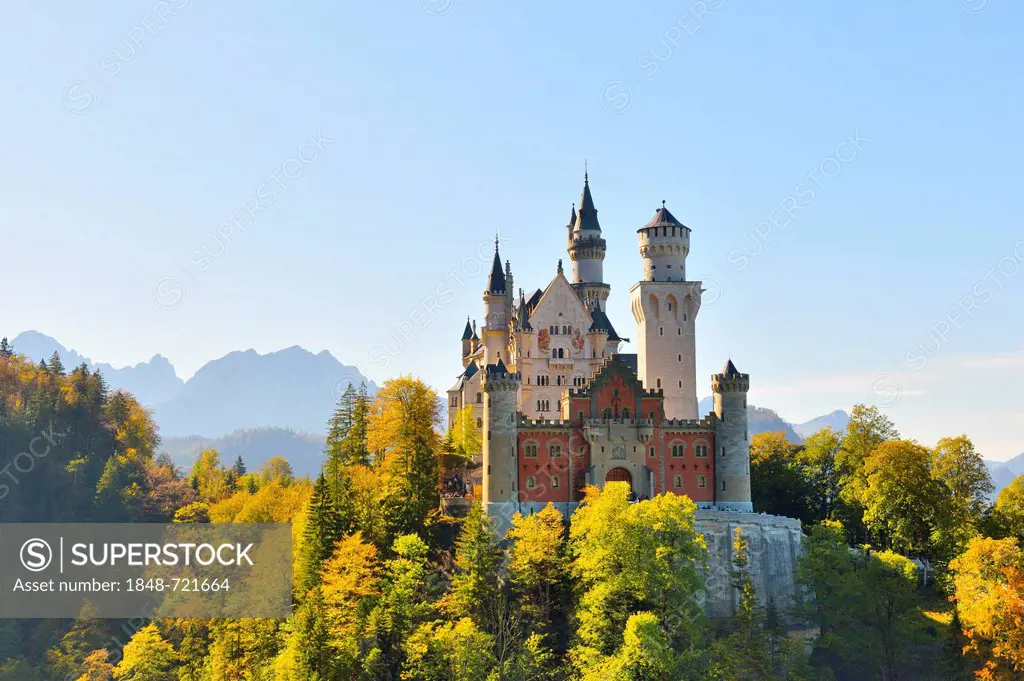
(665, 308)
(586, 250)
(500, 451)
(732, 448)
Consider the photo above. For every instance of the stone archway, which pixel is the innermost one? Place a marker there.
(619, 475)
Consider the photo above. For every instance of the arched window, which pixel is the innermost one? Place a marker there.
(701, 451)
(625, 412)
(555, 451)
(607, 412)
(561, 353)
(531, 451)
(659, 382)
(531, 482)
(678, 482)
(678, 449)
(479, 423)
(479, 398)
(702, 482)
(555, 482)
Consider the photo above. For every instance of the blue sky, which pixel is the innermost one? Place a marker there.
(132, 132)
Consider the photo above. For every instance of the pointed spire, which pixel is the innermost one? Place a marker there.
(730, 369)
(496, 283)
(559, 265)
(587, 216)
(468, 333)
(572, 216)
(475, 337)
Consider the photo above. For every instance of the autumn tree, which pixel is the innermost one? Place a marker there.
(989, 591)
(401, 434)
(538, 567)
(147, 657)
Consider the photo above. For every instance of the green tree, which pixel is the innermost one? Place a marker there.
(867, 429)
(477, 558)
(1009, 508)
(466, 434)
(209, 478)
(632, 558)
(901, 499)
(238, 468)
(819, 459)
(966, 484)
(323, 529)
(777, 482)
(451, 651)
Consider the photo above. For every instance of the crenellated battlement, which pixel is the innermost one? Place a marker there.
(525, 422)
(704, 424)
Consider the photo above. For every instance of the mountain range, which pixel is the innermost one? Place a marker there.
(277, 404)
(290, 389)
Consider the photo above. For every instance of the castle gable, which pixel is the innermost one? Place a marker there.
(615, 387)
(561, 313)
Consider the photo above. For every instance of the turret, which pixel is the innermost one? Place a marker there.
(467, 340)
(665, 307)
(732, 448)
(496, 310)
(586, 250)
(500, 452)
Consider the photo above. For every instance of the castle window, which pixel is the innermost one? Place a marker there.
(659, 382)
(679, 332)
(702, 482)
(651, 416)
(555, 482)
(701, 451)
(678, 450)
(684, 319)
(723, 452)
(652, 451)
(593, 354)
(581, 416)
(531, 482)
(661, 330)
(479, 398)
(723, 485)
(570, 328)
(561, 352)
(607, 413)
(479, 423)
(555, 451)
(558, 380)
(670, 304)
(680, 357)
(678, 482)
(680, 384)
(625, 413)
(531, 452)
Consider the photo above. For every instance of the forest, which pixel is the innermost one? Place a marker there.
(909, 570)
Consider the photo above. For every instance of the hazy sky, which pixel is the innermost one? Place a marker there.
(852, 177)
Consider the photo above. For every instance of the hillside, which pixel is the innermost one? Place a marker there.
(304, 451)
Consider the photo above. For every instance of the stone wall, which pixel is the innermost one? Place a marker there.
(775, 545)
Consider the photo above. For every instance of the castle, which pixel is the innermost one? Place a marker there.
(560, 408)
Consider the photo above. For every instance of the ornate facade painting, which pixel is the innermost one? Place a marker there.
(544, 340)
(577, 341)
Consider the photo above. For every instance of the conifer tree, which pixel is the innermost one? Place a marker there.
(322, 531)
(6, 351)
(477, 558)
(239, 468)
(56, 366)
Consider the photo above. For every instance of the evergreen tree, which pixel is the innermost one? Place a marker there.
(56, 366)
(477, 558)
(322, 531)
(239, 468)
(6, 350)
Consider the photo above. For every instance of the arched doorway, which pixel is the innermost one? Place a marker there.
(619, 475)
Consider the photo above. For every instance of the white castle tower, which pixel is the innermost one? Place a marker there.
(497, 311)
(586, 250)
(665, 306)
